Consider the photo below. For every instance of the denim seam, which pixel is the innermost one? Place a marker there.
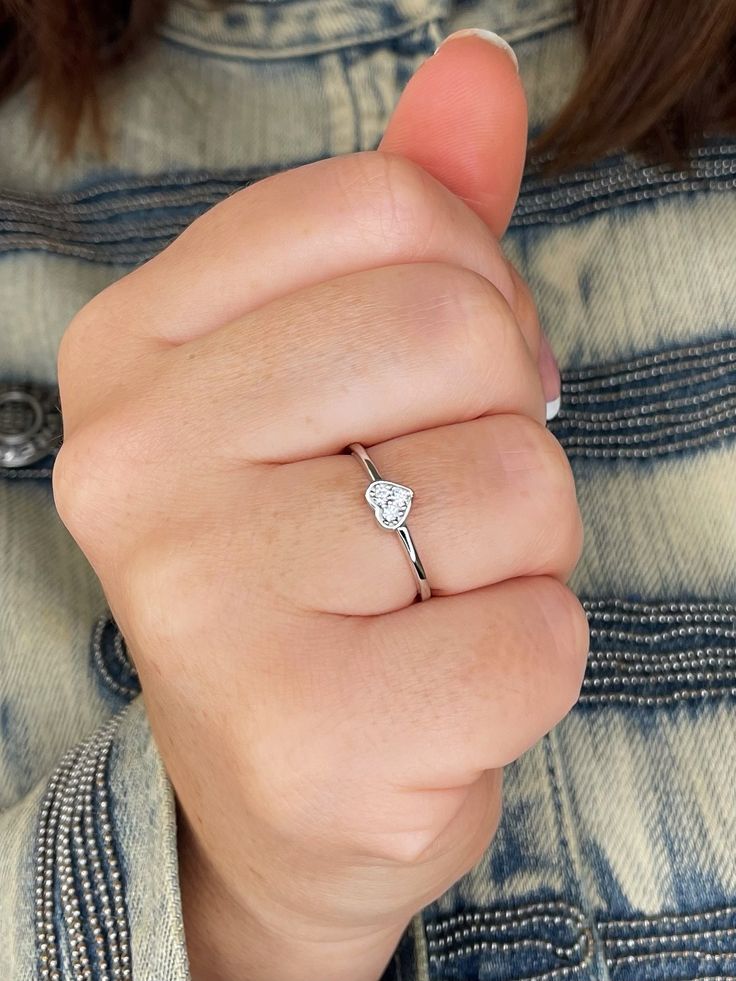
(170, 820)
(357, 116)
(555, 973)
(164, 183)
(526, 943)
(532, 31)
(551, 911)
(421, 954)
(619, 180)
(41, 472)
(206, 49)
(397, 966)
(455, 933)
(552, 975)
(575, 864)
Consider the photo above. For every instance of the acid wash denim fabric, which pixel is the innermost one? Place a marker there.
(615, 854)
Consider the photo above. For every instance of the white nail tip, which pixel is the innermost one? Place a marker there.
(485, 36)
(553, 407)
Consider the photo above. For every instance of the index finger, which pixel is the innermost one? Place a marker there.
(296, 229)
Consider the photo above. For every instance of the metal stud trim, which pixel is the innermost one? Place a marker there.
(111, 658)
(567, 936)
(704, 935)
(556, 929)
(129, 219)
(81, 919)
(645, 407)
(668, 920)
(125, 220)
(616, 182)
(659, 653)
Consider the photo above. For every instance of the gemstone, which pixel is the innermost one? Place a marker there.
(390, 502)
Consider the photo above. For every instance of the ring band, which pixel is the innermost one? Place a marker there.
(390, 503)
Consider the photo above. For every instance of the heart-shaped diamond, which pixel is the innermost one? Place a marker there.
(390, 502)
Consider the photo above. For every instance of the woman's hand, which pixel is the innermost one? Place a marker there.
(336, 750)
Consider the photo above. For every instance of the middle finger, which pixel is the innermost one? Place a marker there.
(367, 357)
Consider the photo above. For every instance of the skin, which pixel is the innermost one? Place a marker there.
(336, 750)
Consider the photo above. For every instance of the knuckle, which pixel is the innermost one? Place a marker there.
(84, 348)
(474, 329)
(96, 473)
(553, 462)
(561, 530)
(569, 638)
(475, 303)
(446, 822)
(65, 355)
(77, 485)
(542, 480)
(70, 357)
(388, 200)
(485, 831)
(525, 309)
(98, 310)
(406, 848)
(159, 591)
(495, 368)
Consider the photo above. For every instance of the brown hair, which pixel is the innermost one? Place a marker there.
(659, 75)
(68, 45)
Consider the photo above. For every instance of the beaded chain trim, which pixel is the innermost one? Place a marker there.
(81, 919)
(651, 406)
(562, 936)
(642, 654)
(659, 653)
(617, 182)
(112, 659)
(128, 219)
(498, 932)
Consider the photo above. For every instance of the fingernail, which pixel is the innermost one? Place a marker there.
(485, 36)
(553, 407)
(550, 375)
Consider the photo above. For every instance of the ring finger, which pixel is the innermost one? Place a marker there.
(494, 499)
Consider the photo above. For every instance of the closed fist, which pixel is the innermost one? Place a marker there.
(335, 748)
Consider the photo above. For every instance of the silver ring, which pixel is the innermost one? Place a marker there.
(391, 504)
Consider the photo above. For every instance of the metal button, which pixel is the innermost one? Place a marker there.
(30, 423)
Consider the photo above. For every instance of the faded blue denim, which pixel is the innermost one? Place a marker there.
(615, 855)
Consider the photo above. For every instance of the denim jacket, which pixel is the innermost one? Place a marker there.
(615, 855)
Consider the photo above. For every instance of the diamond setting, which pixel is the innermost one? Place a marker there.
(391, 502)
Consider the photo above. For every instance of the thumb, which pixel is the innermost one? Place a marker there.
(463, 118)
